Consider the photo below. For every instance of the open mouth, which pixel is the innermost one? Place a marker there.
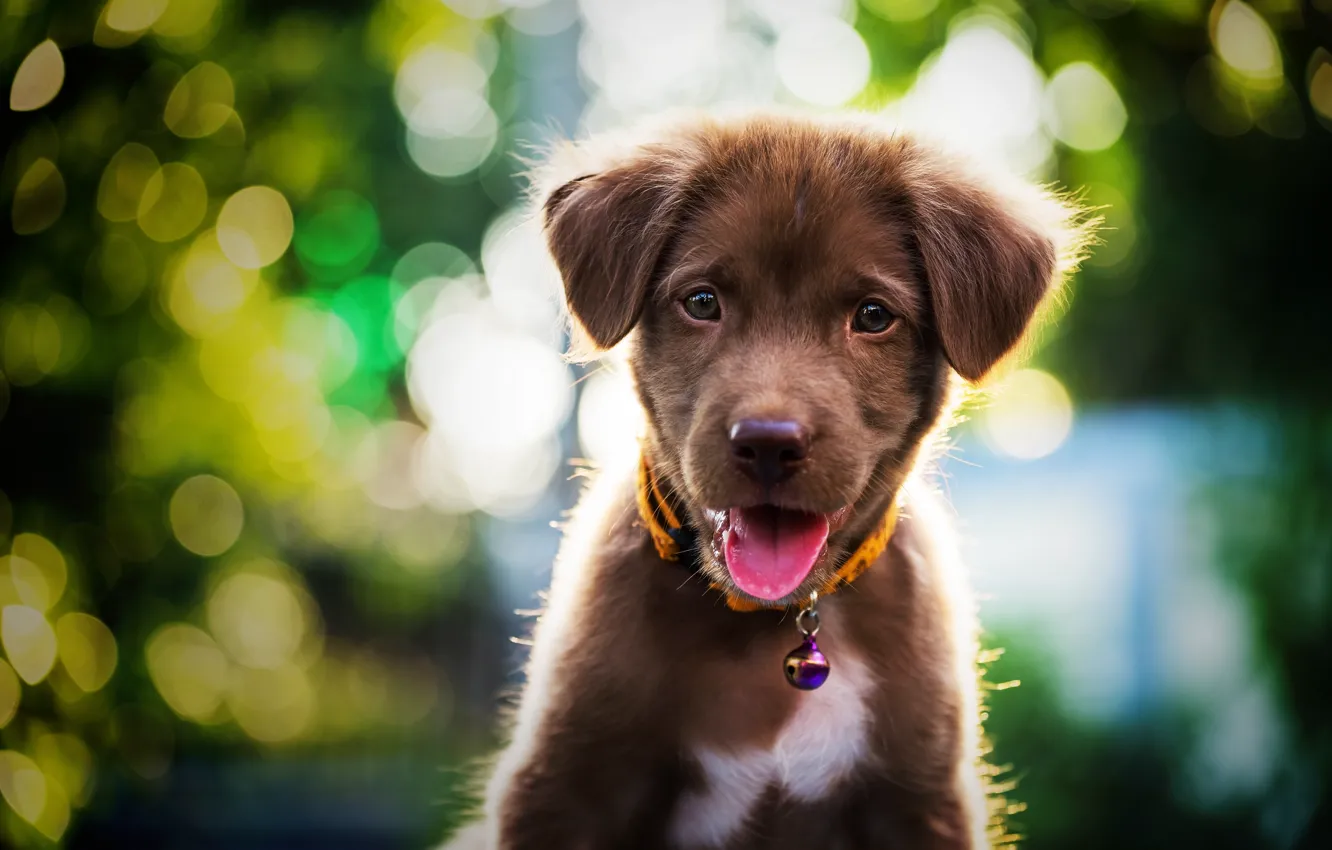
(770, 551)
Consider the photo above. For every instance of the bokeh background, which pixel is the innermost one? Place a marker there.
(284, 421)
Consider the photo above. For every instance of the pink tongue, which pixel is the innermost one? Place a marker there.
(769, 551)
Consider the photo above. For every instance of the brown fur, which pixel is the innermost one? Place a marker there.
(793, 222)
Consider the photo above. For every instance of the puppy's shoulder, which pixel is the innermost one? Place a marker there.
(917, 598)
(928, 531)
(606, 561)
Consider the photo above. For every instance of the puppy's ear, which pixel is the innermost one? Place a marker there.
(606, 232)
(991, 256)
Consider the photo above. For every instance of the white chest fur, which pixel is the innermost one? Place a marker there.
(820, 744)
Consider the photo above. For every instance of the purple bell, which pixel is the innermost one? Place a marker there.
(806, 668)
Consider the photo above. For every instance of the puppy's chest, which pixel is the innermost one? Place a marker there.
(819, 746)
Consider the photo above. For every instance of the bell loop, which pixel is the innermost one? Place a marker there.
(808, 618)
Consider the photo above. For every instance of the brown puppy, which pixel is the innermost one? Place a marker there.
(802, 295)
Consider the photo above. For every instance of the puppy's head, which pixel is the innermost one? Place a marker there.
(801, 294)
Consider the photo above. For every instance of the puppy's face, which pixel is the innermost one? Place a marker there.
(799, 294)
(789, 372)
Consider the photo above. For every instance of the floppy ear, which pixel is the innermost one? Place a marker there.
(606, 232)
(990, 257)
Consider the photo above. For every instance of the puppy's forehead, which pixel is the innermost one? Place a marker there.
(782, 220)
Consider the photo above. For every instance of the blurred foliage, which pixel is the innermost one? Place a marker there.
(232, 225)
(1088, 785)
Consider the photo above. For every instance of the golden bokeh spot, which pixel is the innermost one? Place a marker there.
(105, 35)
(44, 570)
(201, 102)
(232, 132)
(185, 19)
(398, 30)
(26, 582)
(22, 785)
(206, 515)
(1320, 84)
(29, 642)
(272, 705)
(39, 198)
(254, 227)
(1084, 111)
(298, 436)
(174, 202)
(11, 693)
(260, 620)
(225, 360)
(10, 591)
(66, 760)
(123, 182)
(9, 594)
(204, 289)
(189, 671)
(38, 79)
(54, 817)
(134, 16)
(1030, 416)
(30, 337)
(279, 399)
(87, 649)
(1245, 42)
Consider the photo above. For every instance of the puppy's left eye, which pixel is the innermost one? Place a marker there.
(702, 304)
(872, 318)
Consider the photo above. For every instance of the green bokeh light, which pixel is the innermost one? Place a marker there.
(432, 259)
(337, 237)
(366, 306)
(366, 392)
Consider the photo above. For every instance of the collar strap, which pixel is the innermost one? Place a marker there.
(670, 537)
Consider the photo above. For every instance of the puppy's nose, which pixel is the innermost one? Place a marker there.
(769, 450)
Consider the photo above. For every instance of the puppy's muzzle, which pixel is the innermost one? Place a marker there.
(769, 451)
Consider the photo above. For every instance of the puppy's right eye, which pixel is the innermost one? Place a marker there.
(871, 317)
(702, 304)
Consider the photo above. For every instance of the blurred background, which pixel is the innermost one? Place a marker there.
(284, 421)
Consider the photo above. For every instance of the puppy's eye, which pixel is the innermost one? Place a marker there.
(702, 304)
(872, 318)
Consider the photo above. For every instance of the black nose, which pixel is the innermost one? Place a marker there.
(769, 450)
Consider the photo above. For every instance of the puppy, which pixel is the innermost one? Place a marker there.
(800, 297)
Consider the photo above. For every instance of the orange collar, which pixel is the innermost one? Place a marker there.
(665, 526)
